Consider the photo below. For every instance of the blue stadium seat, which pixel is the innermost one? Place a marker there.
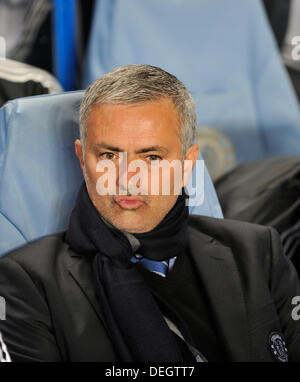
(39, 172)
(223, 51)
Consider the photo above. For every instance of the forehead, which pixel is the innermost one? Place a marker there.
(142, 121)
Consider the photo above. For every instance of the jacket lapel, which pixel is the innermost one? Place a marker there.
(81, 271)
(216, 268)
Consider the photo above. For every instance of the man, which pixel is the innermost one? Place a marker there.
(21, 80)
(134, 278)
(284, 16)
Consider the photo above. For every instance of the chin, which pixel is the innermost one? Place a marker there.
(137, 229)
(133, 223)
(132, 228)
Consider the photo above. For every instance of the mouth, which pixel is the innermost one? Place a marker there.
(128, 203)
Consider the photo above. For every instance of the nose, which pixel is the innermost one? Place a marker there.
(123, 179)
(123, 174)
(132, 177)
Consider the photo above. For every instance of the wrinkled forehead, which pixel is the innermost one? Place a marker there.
(128, 122)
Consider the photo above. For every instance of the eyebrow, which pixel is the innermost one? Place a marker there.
(140, 151)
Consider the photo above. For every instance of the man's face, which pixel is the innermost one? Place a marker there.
(149, 132)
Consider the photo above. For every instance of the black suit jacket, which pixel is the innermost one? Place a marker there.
(53, 313)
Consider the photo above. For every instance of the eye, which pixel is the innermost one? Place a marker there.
(107, 156)
(153, 158)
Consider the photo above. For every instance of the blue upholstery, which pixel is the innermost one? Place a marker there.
(40, 174)
(223, 50)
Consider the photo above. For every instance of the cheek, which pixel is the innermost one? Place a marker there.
(166, 181)
(160, 204)
(90, 168)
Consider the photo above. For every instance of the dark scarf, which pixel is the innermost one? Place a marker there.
(136, 325)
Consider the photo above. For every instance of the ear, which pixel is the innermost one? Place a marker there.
(79, 152)
(189, 162)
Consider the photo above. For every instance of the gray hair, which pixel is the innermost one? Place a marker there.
(137, 84)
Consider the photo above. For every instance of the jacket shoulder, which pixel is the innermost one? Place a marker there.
(39, 254)
(247, 241)
(225, 230)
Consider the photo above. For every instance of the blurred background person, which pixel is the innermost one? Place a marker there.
(284, 17)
